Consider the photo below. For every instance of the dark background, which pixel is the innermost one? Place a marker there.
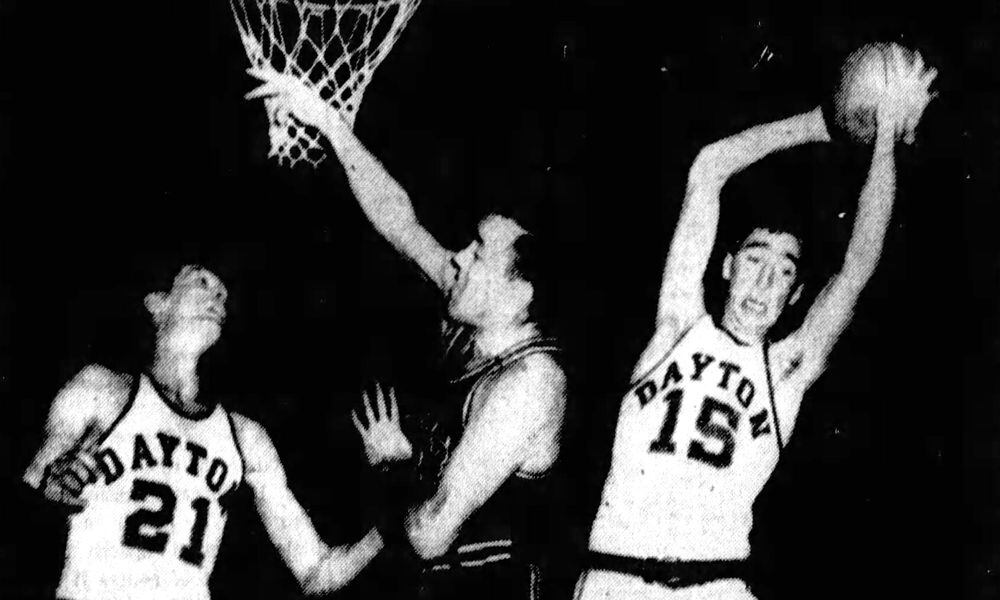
(126, 149)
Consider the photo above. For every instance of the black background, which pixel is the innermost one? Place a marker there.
(126, 148)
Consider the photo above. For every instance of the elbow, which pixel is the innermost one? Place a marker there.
(314, 584)
(429, 550)
(432, 545)
(323, 577)
(705, 168)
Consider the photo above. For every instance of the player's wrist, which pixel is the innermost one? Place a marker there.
(816, 125)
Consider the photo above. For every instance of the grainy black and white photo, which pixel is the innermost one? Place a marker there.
(499, 299)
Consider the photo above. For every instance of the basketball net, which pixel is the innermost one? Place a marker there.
(333, 48)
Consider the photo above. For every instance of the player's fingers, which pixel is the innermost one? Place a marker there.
(369, 413)
(896, 57)
(261, 91)
(65, 498)
(393, 406)
(74, 504)
(357, 422)
(70, 482)
(84, 469)
(380, 409)
(263, 73)
(90, 439)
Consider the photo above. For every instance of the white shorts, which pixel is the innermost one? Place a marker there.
(609, 585)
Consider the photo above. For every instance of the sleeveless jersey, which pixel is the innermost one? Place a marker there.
(502, 528)
(696, 441)
(154, 517)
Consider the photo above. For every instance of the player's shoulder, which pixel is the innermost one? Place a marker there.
(670, 328)
(247, 429)
(98, 377)
(537, 368)
(251, 436)
(98, 387)
(254, 443)
(536, 379)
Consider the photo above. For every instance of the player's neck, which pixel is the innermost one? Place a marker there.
(741, 333)
(493, 341)
(176, 376)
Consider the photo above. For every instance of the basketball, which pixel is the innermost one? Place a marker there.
(862, 79)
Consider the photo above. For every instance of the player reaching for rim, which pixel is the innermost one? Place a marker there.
(712, 401)
(146, 465)
(507, 397)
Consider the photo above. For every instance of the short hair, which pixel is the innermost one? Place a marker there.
(798, 191)
(528, 264)
(533, 261)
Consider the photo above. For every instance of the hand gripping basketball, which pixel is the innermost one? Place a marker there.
(66, 477)
(383, 438)
(909, 87)
(884, 80)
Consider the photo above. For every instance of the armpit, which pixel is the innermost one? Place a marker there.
(791, 365)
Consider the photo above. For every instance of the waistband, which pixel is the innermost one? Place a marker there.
(672, 574)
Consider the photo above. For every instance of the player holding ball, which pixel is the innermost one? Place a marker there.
(712, 400)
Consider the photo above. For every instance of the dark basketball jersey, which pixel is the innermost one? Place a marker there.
(499, 533)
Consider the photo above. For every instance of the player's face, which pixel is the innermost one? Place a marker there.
(763, 278)
(483, 291)
(193, 313)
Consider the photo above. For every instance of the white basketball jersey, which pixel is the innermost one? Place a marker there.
(155, 516)
(695, 443)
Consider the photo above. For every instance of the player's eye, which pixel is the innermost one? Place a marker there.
(752, 259)
(204, 281)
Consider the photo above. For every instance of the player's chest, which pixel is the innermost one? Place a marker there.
(709, 405)
(194, 458)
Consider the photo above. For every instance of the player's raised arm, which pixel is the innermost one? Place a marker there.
(383, 200)
(681, 292)
(800, 358)
(80, 412)
(318, 567)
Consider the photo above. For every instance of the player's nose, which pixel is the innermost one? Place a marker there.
(765, 277)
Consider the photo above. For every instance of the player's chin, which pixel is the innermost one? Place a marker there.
(759, 322)
(203, 336)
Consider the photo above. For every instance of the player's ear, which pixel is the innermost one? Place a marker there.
(727, 267)
(156, 304)
(524, 293)
(796, 295)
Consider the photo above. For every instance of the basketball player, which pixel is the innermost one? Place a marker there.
(146, 466)
(712, 402)
(508, 390)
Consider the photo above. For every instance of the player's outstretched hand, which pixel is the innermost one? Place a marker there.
(67, 476)
(382, 436)
(910, 83)
(294, 95)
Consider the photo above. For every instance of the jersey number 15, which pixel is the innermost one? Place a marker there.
(723, 432)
